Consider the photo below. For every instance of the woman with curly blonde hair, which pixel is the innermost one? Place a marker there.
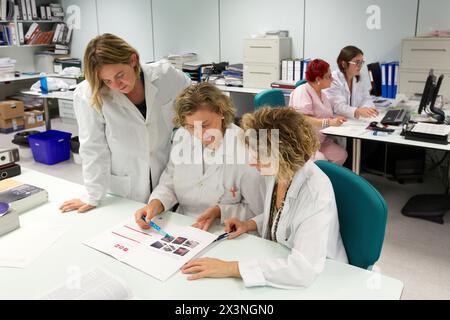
(300, 209)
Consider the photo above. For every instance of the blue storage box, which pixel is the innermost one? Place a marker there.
(51, 146)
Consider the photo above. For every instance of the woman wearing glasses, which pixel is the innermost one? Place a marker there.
(349, 91)
(207, 175)
(310, 100)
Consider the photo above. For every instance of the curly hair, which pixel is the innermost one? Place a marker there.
(199, 95)
(297, 140)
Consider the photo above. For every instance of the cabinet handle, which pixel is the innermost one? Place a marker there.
(415, 81)
(260, 47)
(260, 72)
(434, 50)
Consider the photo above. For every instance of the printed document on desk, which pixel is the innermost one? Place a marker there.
(430, 128)
(148, 250)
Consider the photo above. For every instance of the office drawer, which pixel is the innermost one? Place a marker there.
(260, 76)
(270, 50)
(426, 53)
(412, 82)
(65, 103)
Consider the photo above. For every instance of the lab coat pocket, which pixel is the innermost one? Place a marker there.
(121, 186)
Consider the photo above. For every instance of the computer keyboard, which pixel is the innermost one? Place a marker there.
(395, 117)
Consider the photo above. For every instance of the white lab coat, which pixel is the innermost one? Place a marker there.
(339, 94)
(237, 189)
(308, 225)
(119, 147)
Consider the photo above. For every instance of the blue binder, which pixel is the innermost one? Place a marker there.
(384, 80)
(395, 79)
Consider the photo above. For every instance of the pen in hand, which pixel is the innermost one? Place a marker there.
(156, 227)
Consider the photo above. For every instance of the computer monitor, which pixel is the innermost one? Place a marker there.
(427, 92)
(438, 114)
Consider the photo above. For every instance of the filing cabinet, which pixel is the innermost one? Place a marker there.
(418, 56)
(262, 60)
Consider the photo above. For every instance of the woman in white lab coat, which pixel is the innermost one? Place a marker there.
(299, 212)
(207, 174)
(124, 112)
(349, 93)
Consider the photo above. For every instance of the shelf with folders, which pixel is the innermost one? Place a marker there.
(30, 29)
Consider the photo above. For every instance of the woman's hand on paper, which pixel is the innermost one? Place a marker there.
(205, 220)
(235, 227)
(211, 268)
(366, 112)
(150, 211)
(338, 121)
(75, 204)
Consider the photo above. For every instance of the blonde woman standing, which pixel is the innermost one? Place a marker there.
(124, 112)
(299, 210)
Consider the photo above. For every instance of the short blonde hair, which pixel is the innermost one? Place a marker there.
(103, 50)
(202, 95)
(297, 140)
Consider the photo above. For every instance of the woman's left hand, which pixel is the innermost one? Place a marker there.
(207, 218)
(211, 268)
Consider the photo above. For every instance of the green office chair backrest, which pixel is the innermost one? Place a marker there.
(362, 214)
(300, 82)
(269, 97)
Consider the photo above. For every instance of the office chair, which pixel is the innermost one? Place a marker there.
(300, 82)
(362, 214)
(269, 97)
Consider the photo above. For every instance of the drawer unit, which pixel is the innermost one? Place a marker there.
(426, 53)
(267, 50)
(66, 109)
(412, 82)
(260, 75)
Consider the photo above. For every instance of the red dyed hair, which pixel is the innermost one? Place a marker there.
(317, 68)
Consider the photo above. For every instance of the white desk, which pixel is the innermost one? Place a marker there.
(57, 264)
(356, 129)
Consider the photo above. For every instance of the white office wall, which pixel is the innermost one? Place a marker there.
(433, 15)
(130, 20)
(187, 26)
(241, 18)
(80, 38)
(331, 25)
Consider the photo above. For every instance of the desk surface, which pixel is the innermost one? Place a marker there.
(65, 95)
(357, 129)
(54, 266)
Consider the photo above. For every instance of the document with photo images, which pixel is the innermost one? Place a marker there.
(148, 250)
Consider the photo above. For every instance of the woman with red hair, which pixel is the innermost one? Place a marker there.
(313, 103)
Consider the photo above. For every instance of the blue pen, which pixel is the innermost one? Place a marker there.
(222, 236)
(156, 227)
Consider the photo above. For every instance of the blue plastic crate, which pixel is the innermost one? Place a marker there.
(50, 147)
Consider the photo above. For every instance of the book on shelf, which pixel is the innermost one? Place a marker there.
(20, 196)
(283, 84)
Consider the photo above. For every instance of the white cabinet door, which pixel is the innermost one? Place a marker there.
(130, 20)
(187, 26)
(88, 25)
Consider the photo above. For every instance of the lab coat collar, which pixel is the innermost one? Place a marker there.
(230, 133)
(150, 90)
(299, 179)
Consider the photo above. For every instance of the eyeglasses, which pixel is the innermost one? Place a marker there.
(357, 63)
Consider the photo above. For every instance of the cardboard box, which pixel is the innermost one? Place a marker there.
(12, 125)
(34, 119)
(11, 109)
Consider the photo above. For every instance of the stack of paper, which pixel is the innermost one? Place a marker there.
(178, 59)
